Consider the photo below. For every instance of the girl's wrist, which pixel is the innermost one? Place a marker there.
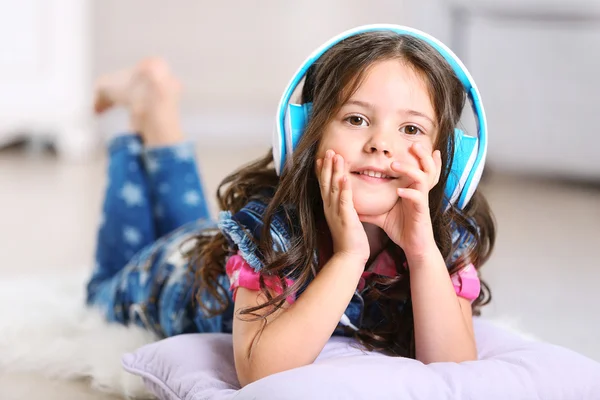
(430, 255)
(350, 259)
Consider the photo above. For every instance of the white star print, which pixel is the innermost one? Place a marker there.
(191, 198)
(152, 164)
(134, 148)
(132, 194)
(184, 153)
(132, 235)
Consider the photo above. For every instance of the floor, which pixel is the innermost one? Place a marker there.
(544, 272)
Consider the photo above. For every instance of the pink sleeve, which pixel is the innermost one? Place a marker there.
(241, 274)
(466, 282)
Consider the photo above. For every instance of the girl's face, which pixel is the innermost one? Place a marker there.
(389, 112)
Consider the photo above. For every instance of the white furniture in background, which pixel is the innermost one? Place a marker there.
(537, 64)
(45, 74)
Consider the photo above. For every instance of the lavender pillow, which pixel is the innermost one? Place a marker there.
(200, 366)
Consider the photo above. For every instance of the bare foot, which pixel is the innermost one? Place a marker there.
(150, 93)
(113, 90)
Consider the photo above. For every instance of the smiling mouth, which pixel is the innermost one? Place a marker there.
(373, 174)
(373, 177)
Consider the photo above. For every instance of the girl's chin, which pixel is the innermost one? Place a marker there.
(373, 210)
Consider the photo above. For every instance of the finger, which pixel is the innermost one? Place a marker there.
(415, 174)
(319, 165)
(426, 159)
(416, 197)
(336, 180)
(346, 202)
(325, 178)
(318, 169)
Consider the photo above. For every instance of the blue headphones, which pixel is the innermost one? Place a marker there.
(469, 152)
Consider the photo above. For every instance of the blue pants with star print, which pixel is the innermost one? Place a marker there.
(153, 208)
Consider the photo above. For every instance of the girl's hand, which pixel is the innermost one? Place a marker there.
(408, 223)
(348, 234)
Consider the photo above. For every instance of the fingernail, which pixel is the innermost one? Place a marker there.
(328, 154)
(396, 164)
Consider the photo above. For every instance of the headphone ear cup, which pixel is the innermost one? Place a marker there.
(295, 122)
(279, 152)
(299, 115)
(465, 152)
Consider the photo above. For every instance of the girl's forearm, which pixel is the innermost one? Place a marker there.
(297, 336)
(441, 332)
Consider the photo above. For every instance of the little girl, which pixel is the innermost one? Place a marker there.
(345, 227)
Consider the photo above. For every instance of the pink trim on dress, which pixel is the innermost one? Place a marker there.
(466, 282)
(241, 274)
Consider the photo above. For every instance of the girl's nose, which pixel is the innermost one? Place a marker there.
(379, 143)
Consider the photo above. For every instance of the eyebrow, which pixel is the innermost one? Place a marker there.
(405, 111)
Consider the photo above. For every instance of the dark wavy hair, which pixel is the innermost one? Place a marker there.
(328, 85)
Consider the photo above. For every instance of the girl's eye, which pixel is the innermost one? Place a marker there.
(411, 130)
(356, 120)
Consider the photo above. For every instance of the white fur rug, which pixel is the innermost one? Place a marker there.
(45, 328)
